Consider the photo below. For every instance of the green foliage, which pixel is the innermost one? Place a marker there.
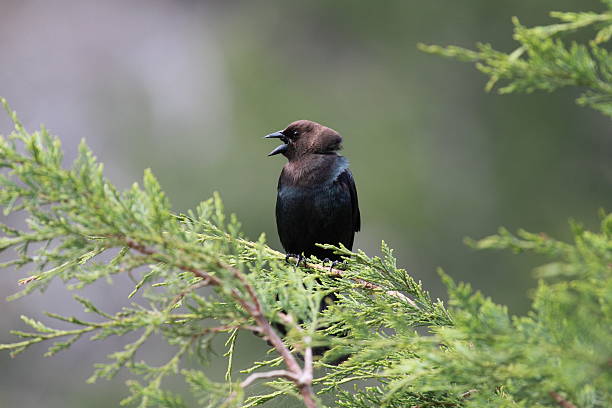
(546, 61)
(197, 278)
(416, 351)
(489, 358)
(76, 216)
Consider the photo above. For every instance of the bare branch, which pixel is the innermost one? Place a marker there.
(268, 374)
(307, 373)
(468, 393)
(560, 400)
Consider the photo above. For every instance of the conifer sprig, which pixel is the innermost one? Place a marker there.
(546, 60)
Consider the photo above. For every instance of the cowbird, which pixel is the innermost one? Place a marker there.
(317, 198)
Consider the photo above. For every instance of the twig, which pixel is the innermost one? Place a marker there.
(464, 395)
(362, 282)
(330, 271)
(27, 280)
(255, 310)
(221, 329)
(468, 393)
(560, 400)
(301, 377)
(268, 374)
(190, 289)
(307, 372)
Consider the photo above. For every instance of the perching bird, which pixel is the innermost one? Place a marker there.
(317, 198)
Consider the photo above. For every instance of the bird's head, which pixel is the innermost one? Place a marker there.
(305, 137)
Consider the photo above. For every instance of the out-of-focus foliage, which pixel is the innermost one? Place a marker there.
(546, 61)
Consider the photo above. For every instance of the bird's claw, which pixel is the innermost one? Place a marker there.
(299, 258)
(331, 267)
(333, 263)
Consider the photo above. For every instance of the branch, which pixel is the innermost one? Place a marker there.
(307, 372)
(269, 374)
(365, 284)
(190, 289)
(302, 378)
(560, 400)
(335, 272)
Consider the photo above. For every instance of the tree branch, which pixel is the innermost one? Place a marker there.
(268, 374)
(302, 378)
(331, 271)
(560, 400)
(365, 284)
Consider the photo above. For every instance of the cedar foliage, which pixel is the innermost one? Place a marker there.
(545, 60)
(200, 278)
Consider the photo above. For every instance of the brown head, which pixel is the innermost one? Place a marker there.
(304, 137)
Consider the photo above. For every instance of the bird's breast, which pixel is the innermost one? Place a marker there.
(314, 172)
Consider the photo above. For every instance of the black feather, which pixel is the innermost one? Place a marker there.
(324, 212)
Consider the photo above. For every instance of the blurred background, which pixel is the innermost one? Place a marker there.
(188, 88)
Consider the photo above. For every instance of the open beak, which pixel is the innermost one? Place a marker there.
(280, 149)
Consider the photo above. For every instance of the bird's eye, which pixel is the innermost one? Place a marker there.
(295, 132)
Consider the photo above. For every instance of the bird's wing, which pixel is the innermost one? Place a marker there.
(345, 179)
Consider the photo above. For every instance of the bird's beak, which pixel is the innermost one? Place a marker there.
(280, 149)
(275, 135)
(278, 135)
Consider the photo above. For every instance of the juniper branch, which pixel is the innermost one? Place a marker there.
(321, 268)
(301, 377)
(546, 61)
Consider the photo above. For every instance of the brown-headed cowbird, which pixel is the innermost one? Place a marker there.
(317, 198)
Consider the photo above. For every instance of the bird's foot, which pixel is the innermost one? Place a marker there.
(299, 258)
(333, 263)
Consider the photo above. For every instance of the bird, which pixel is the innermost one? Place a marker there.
(316, 200)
